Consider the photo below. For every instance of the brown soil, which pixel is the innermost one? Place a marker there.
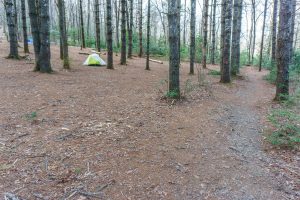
(107, 134)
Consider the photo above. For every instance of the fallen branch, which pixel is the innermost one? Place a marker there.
(83, 53)
(156, 61)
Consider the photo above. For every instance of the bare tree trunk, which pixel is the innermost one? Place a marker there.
(274, 29)
(81, 25)
(204, 44)
(97, 23)
(44, 54)
(184, 26)
(25, 36)
(148, 36)
(174, 40)
(225, 40)
(13, 40)
(109, 40)
(284, 46)
(262, 36)
(192, 42)
(33, 7)
(130, 30)
(141, 28)
(254, 29)
(213, 45)
(117, 13)
(88, 19)
(236, 34)
(123, 32)
(63, 33)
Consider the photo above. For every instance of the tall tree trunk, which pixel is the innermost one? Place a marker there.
(140, 28)
(148, 36)
(262, 36)
(88, 19)
(33, 7)
(63, 33)
(174, 40)
(109, 40)
(184, 26)
(13, 40)
(254, 30)
(284, 46)
(130, 30)
(204, 44)
(236, 35)
(192, 42)
(213, 45)
(274, 29)
(225, 40)
(25, 36)
(44, 54)
(123, 32)
(81, 25)
(97, 23)
(117, 13)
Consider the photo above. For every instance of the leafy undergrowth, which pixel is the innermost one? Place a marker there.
(286, 122)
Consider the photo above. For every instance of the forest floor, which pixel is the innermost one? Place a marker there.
(93, 133)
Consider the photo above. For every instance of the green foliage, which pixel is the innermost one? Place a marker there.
(286, 120)
(214, 73)
(173, 94)
(271, 77)
(287, 123)
(31, 116)
(198, 52)
(54, 35)
(244, 58)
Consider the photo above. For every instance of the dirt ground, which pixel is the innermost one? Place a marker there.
(93, 133)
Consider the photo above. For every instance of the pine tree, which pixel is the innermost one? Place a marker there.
(123, 32)
(192, 33)
(109, 40)
(11, 23)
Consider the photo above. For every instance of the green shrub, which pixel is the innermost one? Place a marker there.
(214, 73)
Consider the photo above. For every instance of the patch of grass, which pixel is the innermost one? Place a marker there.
(31, 116)
(287, 124)
(214, 73)
(173, 94)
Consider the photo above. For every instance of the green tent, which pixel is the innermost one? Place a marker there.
(94, 60)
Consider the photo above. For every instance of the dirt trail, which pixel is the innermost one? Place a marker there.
(96, 128)
(251, 178)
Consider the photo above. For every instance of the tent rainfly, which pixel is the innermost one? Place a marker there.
(94, 60)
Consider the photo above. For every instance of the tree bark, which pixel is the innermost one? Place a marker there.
(44, 54)
(254, 30)
(213, 45)
(284, 46)
(148, 36)
(33, 7)
(123, 32)
(236, 34)
(274, 29)
(174, 40)
(13, 40)
(204, 44)
(192, 33)
(262, 35)
(184, 26)
(97, 23)
(130, 30)
(81, 25)
(109, 40)
(225, 40)
(117, 13)
(24, 23)
(63, 34)
(140, 28)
